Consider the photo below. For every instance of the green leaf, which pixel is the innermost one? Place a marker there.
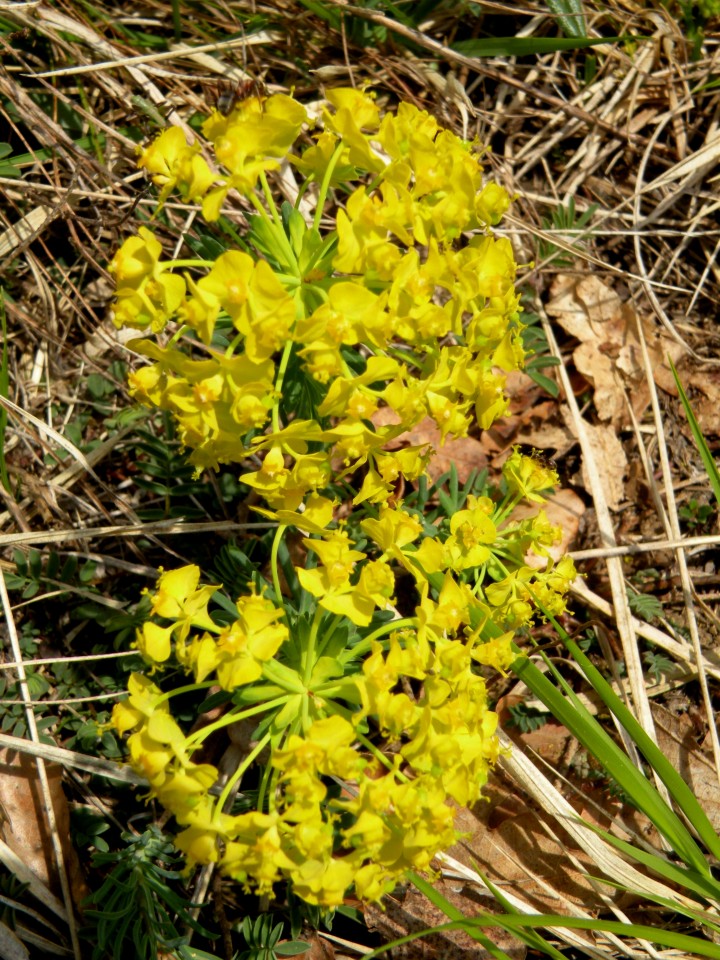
(99, 387)
(291, 948)
(526, 46)
(568, 710)
(331, 15)
(545, 382)
(706, 887)
(645, 605)
(570, 16)
(700, 442)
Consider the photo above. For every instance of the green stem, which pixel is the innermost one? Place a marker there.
(178, 333)
(188, 688)
(309, 654)
(279, 379)
(263, 789)
(325, 186)
(366, 643)
(503, 511)
(274, 563)
(233, 716)
(329, 633)
(380, 756)
(177, 20)
(237, 774)
(280, 235)
(187, 263)
(234, 344)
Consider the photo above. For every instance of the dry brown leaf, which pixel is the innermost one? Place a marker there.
(610, 461)
(511, 847)
(25, 827)
(610, 355)
(707, 407)
(677, 737)
(411, 912)
(320, 948)
(550, 437)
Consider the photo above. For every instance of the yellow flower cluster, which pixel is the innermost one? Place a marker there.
(394, 815)
(310, 357)
(438, 325)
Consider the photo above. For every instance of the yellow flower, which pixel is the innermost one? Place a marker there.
(143, 699)
(253, 297)
(355, 112)
(529, 477)
(251, 140)
(147, 294)
(178, 598)
(249, 641)
(472, 532)
(331, 584)
(172, 163)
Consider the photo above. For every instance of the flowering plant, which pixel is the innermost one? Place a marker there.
(305, 357)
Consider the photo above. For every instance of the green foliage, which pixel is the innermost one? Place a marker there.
(644, 605)
(87, 828)
(37, 571)
(525, 46)
(565, 219)
(570, 16)
(11, 889)
(694, 16)
(696, 515)
(658, 664)
(261, 937)
(537, 350)
(137, 911)
(526, 719)
(700, 442)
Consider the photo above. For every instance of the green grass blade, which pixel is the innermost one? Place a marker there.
(520, 924)
(700, 442)
(687, 945)
(570, 16)
(570, 712)
(531, 937)
(683, 878)
(454, 915)
(678, 789)
(525, 46)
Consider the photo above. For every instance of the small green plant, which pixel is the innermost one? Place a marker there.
(87, 830)
(696, 514)
(526, 718)
(36, 571)
(658, 664)
(565, 219)
(695, 15)
(644, 605)
(137, 911)
(538, 353)
(262, 936)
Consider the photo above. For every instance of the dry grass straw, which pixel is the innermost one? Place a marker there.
(640, 139)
